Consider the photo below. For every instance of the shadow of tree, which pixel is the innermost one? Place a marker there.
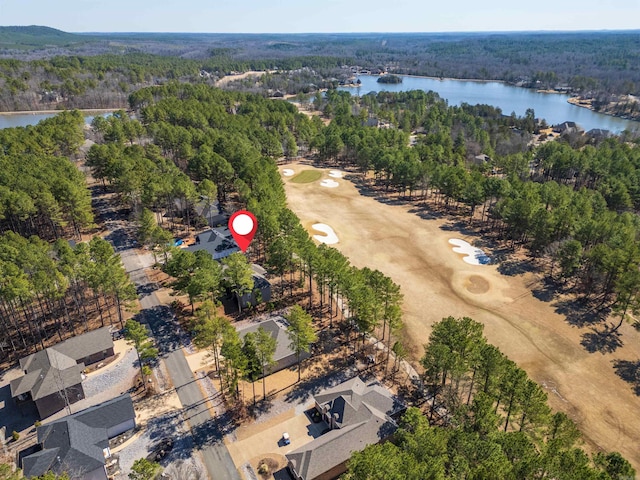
(213, 430)
(309, 387)
(546, 292)
(581, 313)
(603, 341)
(146, 289)
(261, 407)
(164, 328)
(629, 372)
(513, 267)
(458, 226)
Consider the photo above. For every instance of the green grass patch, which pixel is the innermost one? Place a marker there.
(307, 176)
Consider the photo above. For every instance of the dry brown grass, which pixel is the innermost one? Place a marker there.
(415, 253)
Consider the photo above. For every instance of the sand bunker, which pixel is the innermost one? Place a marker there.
(474, 256)
(476, 284)
(287, 172)
(329, 236)
(329, 183)
(335, 174)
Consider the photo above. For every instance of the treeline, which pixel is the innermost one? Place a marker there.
(583, 61)
(448, 136)
(105, 81)
(497, 424)
(49, 290)
(41, 191)
(196, 137)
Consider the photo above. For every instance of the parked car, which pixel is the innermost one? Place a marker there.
(159, 452)
(285, 438)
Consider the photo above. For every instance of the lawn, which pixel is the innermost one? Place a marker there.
(307, 176)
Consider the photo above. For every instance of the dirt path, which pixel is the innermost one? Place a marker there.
(241, 76)
(436, 283)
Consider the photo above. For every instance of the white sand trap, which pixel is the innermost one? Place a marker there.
(474, 256)
(329, 236)
(287, 172)
(329, 183)
(335, 174)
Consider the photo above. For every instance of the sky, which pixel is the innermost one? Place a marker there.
(300, 16)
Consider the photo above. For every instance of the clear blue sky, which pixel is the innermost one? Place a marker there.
(321, 15)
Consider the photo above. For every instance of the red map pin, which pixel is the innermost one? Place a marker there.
(243, 226)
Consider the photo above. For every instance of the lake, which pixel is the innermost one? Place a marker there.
(25, 119)
(551, 106)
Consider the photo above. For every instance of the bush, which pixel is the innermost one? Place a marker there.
(37, 423)
(16, 436)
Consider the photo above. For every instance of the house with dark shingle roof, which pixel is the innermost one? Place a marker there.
(358, 414)
(217, 241)
(53, 376)
(567, 128)
(284, 356)
(79, 444)
(599, 133)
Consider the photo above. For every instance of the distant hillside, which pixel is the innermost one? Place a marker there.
(37, 36)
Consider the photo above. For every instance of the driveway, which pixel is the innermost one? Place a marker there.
(266, 438)
(168, 425)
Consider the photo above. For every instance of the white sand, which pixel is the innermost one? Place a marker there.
(474, 256)
(329, 236)
(329, 183)
(335, 174)
(287, 172)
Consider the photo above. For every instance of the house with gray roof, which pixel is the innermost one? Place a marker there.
(53, 376)
(567, 128)
(358, 413)
(217, 241)
(78, 444)
(261, 292)
(284, 356)
(599, 133)
(210, 211)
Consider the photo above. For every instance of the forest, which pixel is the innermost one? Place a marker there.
(43, 68)
(51, 288)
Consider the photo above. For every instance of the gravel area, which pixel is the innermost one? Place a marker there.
(164, 379)
(115, 380)
(185, 340)
(182, 460)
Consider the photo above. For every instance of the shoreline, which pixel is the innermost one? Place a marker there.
(478, 80)
(571, 99)
(47, 112)
(588, 106)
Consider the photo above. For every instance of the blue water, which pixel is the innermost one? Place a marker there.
(25, 119)
(551, 106)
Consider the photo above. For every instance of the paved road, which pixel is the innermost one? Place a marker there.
(207, 432)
